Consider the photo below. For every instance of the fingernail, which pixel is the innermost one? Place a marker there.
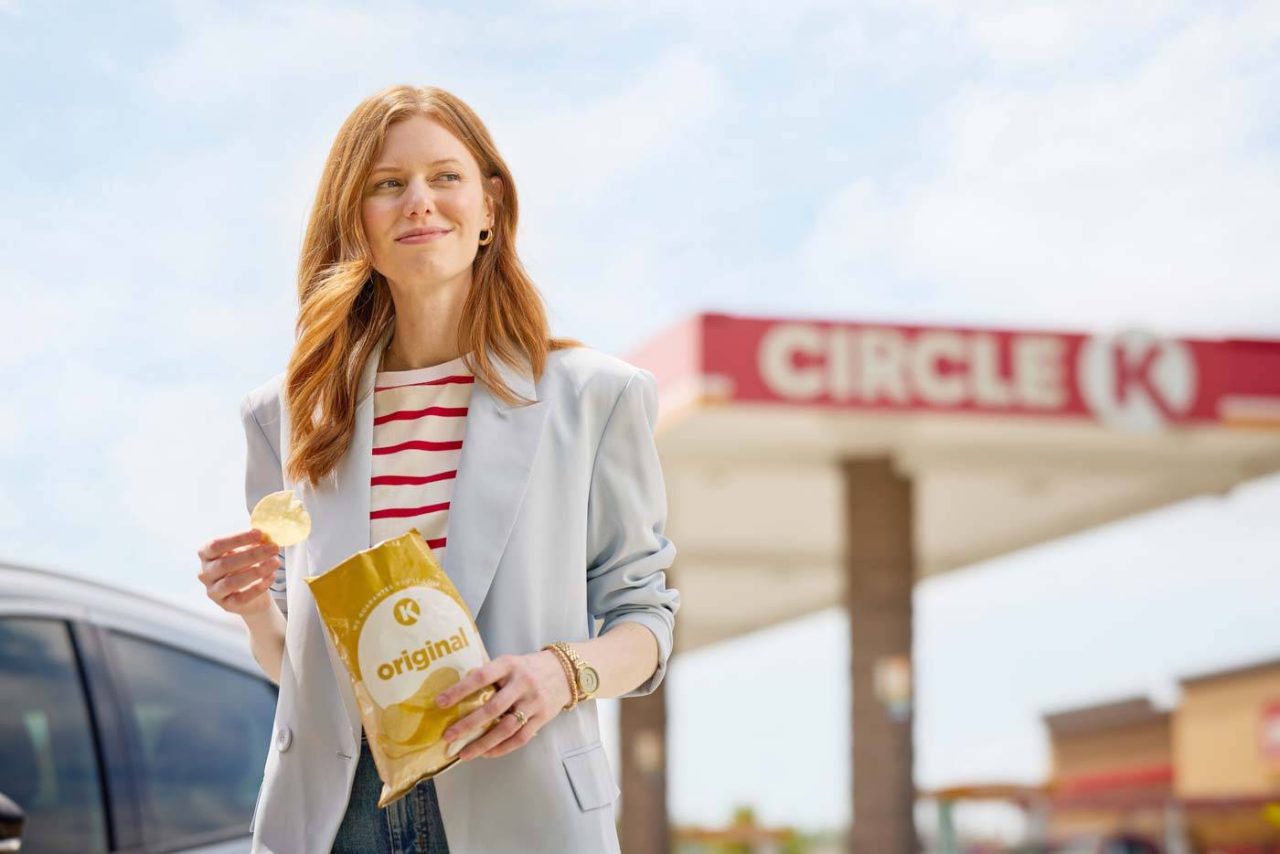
(453, 749)
(441, 701)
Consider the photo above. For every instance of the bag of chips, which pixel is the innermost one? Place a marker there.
(405, 635)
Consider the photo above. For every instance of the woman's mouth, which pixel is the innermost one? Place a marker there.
(422, 238)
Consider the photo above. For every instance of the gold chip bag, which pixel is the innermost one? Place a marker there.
(405, 635)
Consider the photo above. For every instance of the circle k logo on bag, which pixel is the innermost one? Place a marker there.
(407, 612)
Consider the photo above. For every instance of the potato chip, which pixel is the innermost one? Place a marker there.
(400, 721)
(416, 718)
(439, 680)
(281, 516)
(404, 634)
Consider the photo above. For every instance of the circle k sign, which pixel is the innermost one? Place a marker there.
(1130, 380)
(1136, 381)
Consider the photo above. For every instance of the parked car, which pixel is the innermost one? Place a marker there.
(1117, 843)
(126, 722)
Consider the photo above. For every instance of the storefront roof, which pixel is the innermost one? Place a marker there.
(1249, 669)
(1086, 719)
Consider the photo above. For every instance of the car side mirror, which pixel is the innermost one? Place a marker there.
(11, 820)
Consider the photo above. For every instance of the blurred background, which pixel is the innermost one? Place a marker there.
(1073, 169)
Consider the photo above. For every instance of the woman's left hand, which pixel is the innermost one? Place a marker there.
(536, 684)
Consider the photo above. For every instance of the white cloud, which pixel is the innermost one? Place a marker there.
(598, 252)
(1044, 32)
(1141, 197)
(744, 27)
(565, 158)
(261, 52)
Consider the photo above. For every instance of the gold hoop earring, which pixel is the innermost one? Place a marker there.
(486, 241)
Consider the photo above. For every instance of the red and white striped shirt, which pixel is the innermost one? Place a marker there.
(419, 419)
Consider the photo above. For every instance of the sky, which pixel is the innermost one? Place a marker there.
(1076, 166)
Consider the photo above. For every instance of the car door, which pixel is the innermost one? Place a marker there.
(50, 757)
(198, 731)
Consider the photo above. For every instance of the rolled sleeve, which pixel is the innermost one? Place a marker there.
(262, 476)
(627, 551)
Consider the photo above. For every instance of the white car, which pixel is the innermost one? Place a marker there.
(126, 722)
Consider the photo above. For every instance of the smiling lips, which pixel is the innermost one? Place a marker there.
(422, 235)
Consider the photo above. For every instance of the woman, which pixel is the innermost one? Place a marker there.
(437, 395)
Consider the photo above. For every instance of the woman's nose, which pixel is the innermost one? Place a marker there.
(417, 199)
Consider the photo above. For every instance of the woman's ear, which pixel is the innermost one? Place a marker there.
(495, 192)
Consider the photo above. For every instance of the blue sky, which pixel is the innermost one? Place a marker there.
(1077, 166)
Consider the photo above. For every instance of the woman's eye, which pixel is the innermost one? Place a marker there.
(454, 175)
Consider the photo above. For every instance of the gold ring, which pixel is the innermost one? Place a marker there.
(520, 716)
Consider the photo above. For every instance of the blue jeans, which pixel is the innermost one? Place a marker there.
(410, 825)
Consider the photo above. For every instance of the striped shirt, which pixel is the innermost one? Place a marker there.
(419, 419)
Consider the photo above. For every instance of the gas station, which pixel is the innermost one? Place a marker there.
(811, 463)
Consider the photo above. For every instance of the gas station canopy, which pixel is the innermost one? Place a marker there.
(1009, 439)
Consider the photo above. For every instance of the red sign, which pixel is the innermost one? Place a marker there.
(1269, 732)
(1128, 380)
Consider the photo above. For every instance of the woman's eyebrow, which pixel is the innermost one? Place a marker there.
(393, 168)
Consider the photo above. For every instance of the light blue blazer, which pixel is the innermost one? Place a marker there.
(556, 521)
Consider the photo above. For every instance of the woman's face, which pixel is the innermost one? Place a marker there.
(424, 178)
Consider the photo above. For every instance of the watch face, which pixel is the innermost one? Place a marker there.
(590, 681)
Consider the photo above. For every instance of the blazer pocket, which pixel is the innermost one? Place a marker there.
(590, 776)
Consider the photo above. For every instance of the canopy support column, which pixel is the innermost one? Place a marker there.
(879, 575)
(642, 731)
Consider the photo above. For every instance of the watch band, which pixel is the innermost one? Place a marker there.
(570, 673)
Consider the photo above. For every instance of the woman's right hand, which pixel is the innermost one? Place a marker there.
(236, 571)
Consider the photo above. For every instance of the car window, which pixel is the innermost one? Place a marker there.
(204, 729)
(47, 761)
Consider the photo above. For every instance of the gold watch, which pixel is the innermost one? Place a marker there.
(588, 681)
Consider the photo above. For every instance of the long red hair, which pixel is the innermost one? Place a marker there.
(345, 304)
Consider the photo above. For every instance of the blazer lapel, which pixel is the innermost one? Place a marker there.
(498, 449)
